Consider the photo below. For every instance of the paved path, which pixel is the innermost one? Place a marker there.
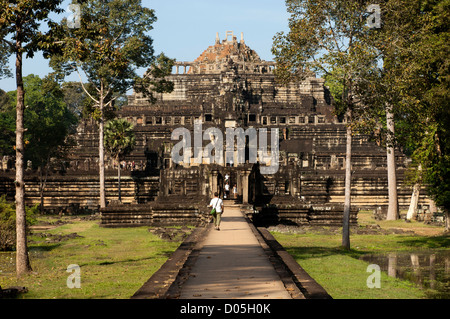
(232, 264)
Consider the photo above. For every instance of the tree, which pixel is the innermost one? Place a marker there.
(424, 88)
(108, 48)
(414, 82)
(324, 38)
(379, 87)
(119, 142)
(74, 97)
(49, 123)
(19, 33)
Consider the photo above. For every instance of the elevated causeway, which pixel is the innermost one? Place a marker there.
(237, 262)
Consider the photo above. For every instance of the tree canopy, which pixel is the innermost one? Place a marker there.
(20, 34)
(109, 46)
(119, 138)
(324, 39)
(413, 43)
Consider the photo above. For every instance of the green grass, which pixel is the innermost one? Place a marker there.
(114, 263)
(341, 272)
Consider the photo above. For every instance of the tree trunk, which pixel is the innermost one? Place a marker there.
(42, 183)
(414, 201)
(101, 152)
(22, 261)
(392, 265)
(118, 179)
(447, 220)
(348, 177)
(392, 213)
(41, 191)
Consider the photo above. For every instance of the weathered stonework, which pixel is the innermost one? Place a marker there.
(228, 85)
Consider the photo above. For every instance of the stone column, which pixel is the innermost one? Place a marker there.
(245, 186)
(238, 182)
(214, 186)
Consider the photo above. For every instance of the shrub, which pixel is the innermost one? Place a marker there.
(8, 223)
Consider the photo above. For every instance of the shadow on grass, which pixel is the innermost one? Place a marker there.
(435, 242)
(44, 247)
(129, 260)
(317, 252)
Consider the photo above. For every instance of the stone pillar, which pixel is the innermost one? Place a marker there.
(245, 186)
(204, 181)
(214, 186)
(230, 33)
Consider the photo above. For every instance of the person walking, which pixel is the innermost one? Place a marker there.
(217, 204)
(227, 190)
(235, 191)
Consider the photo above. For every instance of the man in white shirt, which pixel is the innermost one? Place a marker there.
(217, 204)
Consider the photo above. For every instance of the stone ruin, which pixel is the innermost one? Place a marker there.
(227, 86)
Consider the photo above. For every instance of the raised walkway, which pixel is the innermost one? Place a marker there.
(233, 263)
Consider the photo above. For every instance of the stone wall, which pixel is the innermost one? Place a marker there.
(82, 191)
(169, 210)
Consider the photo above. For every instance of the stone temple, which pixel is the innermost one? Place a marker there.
(227, 86)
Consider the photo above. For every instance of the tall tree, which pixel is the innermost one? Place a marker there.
(422, 75)
(19, 33)
(392, 213)
(49, 123)
(413, 80)
(108, 47)
(324, 38)
(119, 142)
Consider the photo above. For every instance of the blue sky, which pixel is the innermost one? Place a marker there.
(184, 29)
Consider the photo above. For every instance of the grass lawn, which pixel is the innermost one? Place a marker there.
(341, 272)
(114, 262)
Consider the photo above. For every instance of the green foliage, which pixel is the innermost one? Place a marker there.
(5, 102)
(324, 38)
(154, 80)
(114, 262)
(47, 119)
(403, 65)
(20, 21)
(7, 135)
(7, 225)
(336, 87)
(8, 222)
(111, 44)
(75, 98)
(7, 124)
(119, 138)
(414, 79)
